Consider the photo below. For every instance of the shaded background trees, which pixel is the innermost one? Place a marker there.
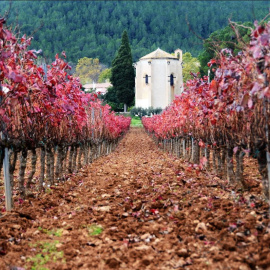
(93, 28)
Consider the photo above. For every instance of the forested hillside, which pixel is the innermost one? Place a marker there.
(93, 28)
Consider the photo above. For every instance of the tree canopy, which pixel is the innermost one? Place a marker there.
(111, 98)
(105, 75)
(224, 38)
(88, 69)
(93, 28)
(190, 64)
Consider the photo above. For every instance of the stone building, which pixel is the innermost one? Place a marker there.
(158, 79)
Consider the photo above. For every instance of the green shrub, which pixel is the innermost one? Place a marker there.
(140, 112)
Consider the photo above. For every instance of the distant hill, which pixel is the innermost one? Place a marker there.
(94, 28)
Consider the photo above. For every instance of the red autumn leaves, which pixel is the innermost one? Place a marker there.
(39, 108)
(230, 108)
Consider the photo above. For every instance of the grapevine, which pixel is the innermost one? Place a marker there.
(228, 116)
(48, 111)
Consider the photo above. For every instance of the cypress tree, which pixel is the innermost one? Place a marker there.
(123, 76)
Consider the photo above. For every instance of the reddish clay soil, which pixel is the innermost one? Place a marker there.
(138, 208)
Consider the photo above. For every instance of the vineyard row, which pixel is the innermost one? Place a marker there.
(43, 109)
(228, 116)
(56, 164)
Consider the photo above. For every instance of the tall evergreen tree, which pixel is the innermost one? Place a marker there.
(123, 76)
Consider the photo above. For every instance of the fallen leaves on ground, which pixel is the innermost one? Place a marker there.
(138, 208)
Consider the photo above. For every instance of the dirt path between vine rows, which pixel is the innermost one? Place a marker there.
(138, 208)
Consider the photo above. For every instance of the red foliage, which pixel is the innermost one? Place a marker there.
(229, 110)
(38, 108)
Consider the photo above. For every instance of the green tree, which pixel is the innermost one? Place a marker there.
(88, 69)
(224, 38)
(92, 28)
(105, 75)
(111, 98)
(123, 75)
(190, 64)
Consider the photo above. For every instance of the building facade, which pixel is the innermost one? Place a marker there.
(100, 88)
(158, 79)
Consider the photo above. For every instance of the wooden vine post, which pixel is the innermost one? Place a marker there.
(8, 194)
(265, 112)
(93, 122)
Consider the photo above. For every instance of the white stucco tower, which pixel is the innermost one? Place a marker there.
(158, 79)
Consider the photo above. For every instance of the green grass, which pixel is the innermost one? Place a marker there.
(136, 122)
(48, 253)
(55, 232)
(94, 230)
